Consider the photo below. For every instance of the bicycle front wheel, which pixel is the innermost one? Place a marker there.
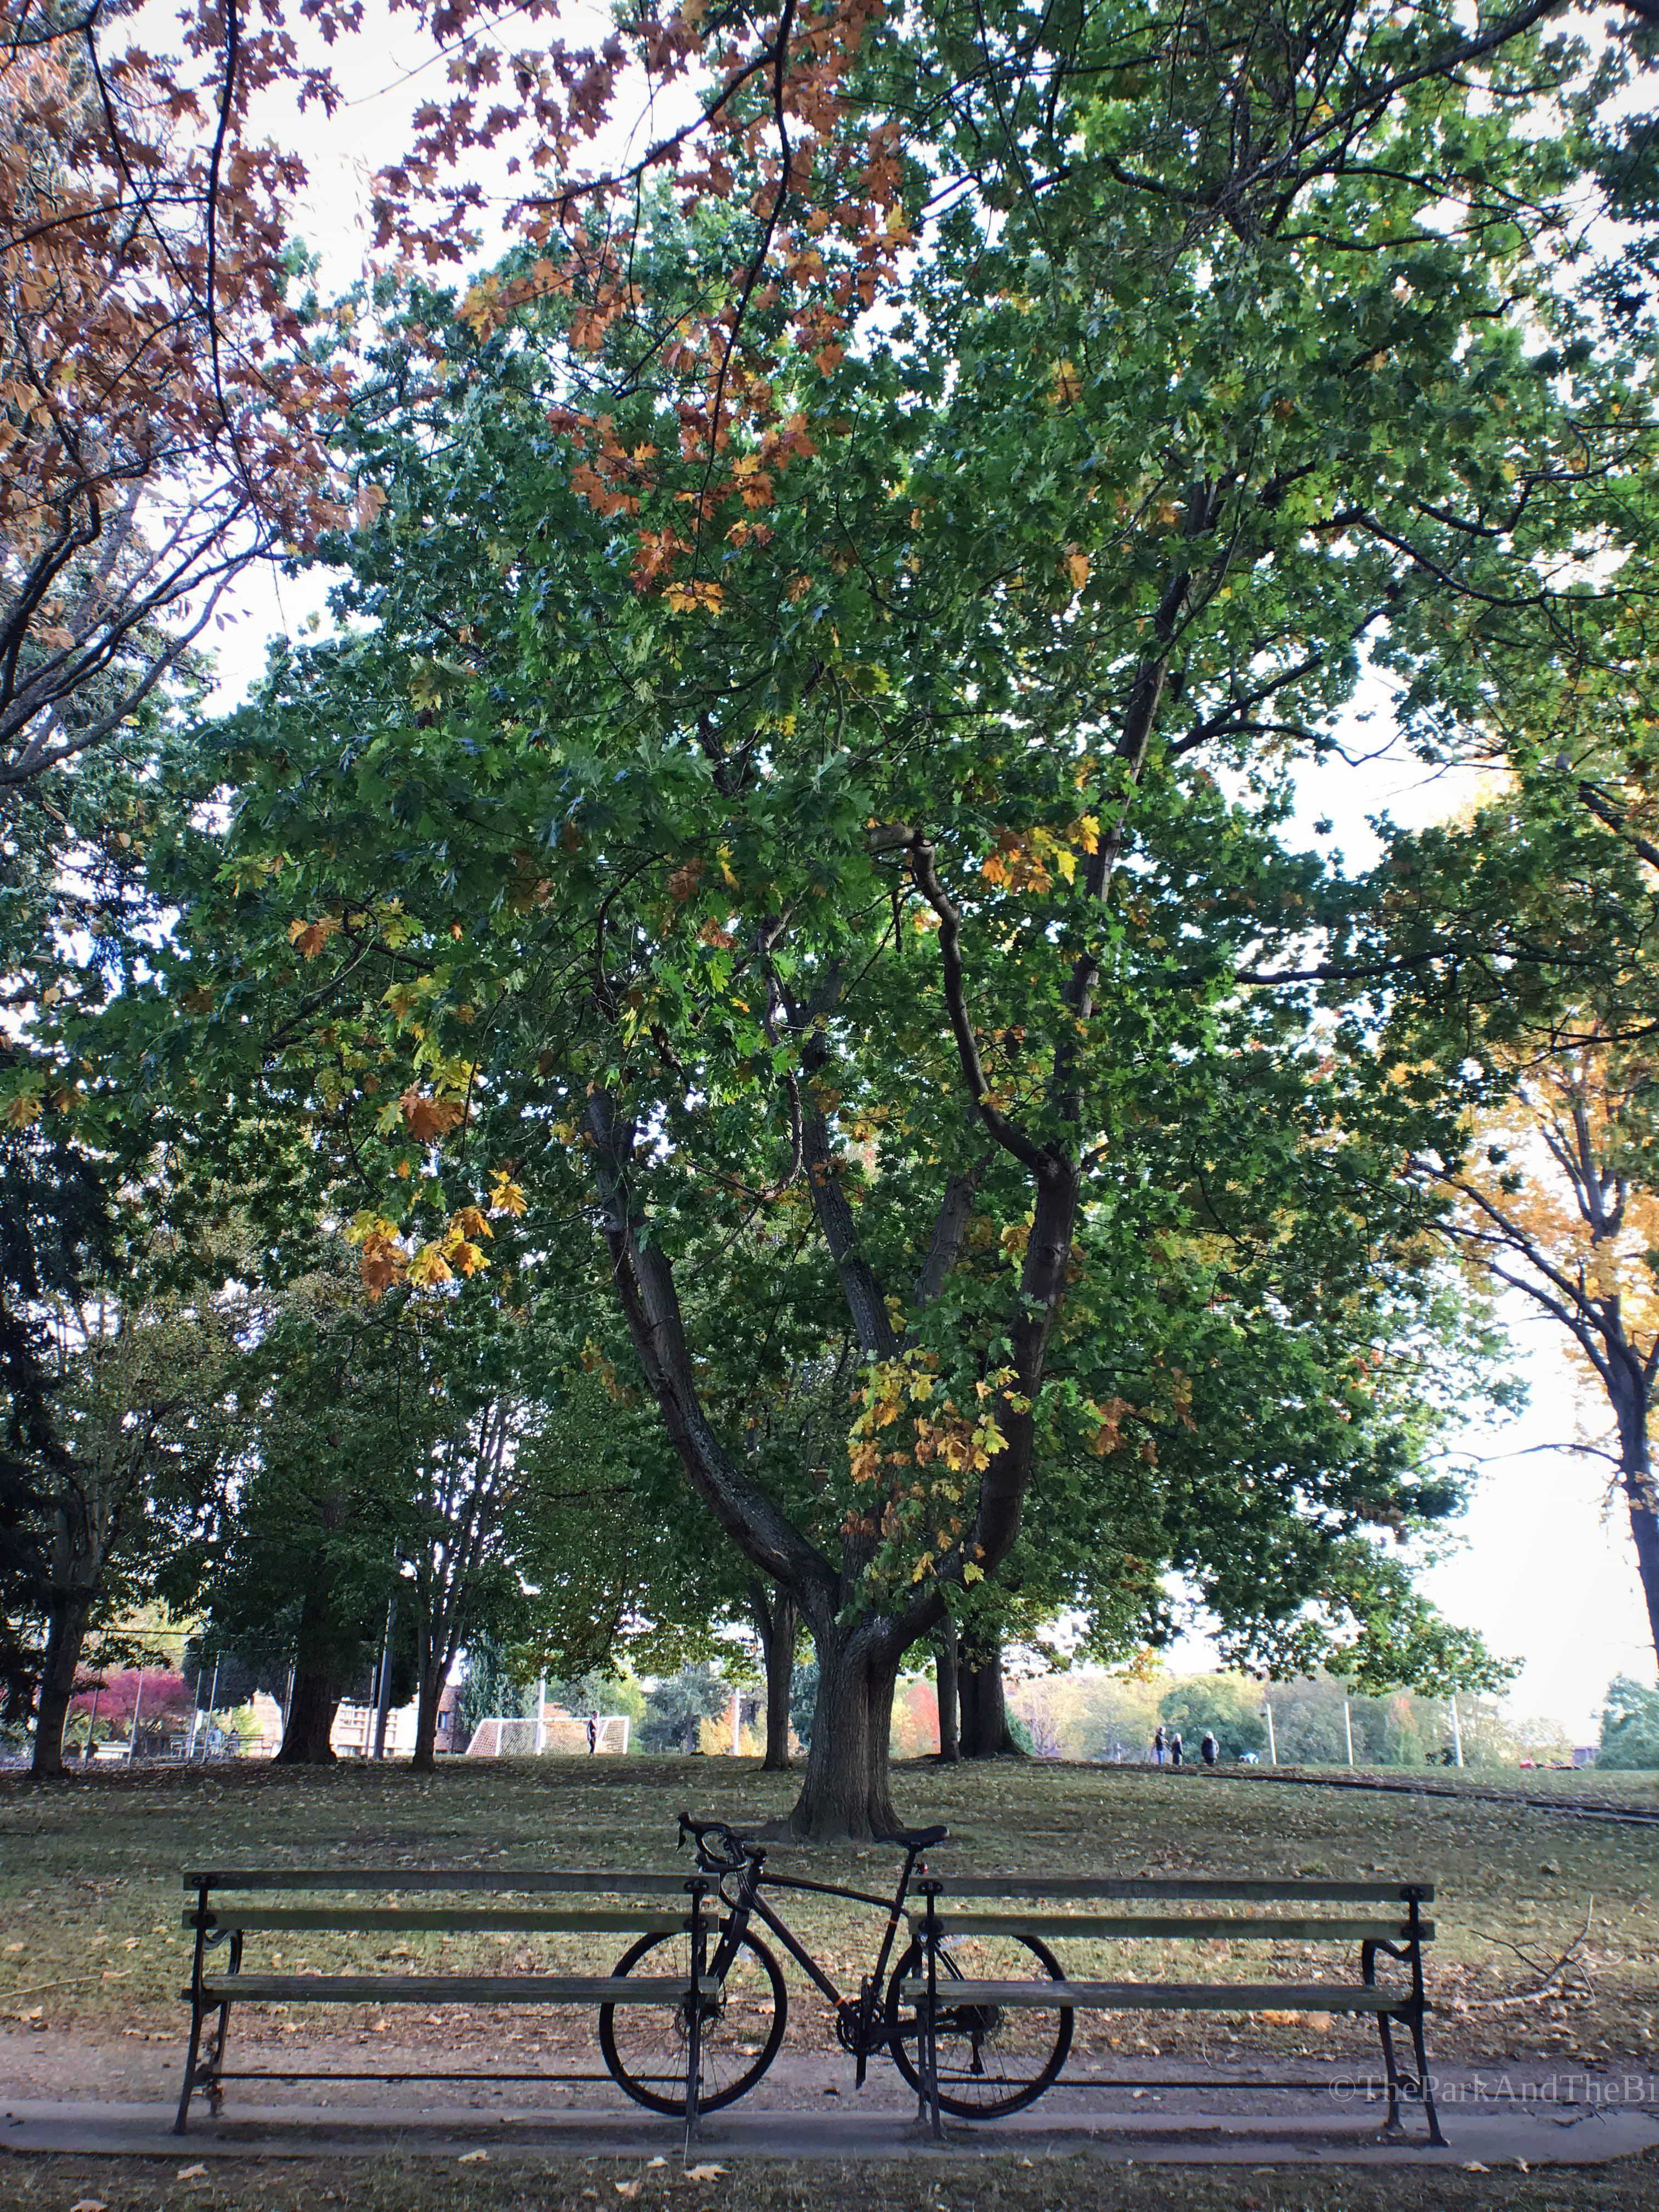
(992, 2058)
(648, 2047)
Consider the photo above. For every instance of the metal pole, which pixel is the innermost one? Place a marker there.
(1347, 1723)
(212, 1704)
(541, 1715)
(137, 1707)
(737, 1724)
(383, 1695)
(1268, 1712)
(1457, 1732)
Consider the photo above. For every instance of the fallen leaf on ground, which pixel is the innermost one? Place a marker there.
(88, 2204)
(473, 2157)
(704, 2172)
(629, 2189)
(1473, 2166)
(190, 2172)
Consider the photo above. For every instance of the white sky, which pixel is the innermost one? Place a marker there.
(1544, 1572)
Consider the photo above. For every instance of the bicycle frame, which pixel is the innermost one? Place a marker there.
(857, 2013)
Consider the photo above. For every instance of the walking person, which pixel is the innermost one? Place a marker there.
(1158, 1744)
(1175, 1748)
(1208, 1749)
(593, 1732)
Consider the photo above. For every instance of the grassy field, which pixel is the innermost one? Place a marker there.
(995, 2184)
(90, 1898)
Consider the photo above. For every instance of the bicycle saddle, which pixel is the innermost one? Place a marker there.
(915, 1839)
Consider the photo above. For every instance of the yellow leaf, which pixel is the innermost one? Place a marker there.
(1076, 568)
(686, 599)
(430, 1267)
(970, 1573)
(505, 1195)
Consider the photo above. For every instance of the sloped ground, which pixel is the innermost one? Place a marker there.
(92, 1956)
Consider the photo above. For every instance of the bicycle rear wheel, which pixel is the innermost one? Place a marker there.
(646, 2047)
(992, 2058)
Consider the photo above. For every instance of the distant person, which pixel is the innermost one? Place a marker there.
(1175, 1748)
(1209, 1749)
(593, 1732)
(1158, 1744)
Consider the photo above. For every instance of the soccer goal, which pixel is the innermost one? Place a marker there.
(522, 1736)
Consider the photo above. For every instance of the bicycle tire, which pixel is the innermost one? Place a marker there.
(1025, 2072)
(645, 2047)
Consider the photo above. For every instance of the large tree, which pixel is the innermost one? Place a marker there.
(792, 798)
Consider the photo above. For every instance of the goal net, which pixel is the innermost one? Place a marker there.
(510, 1736)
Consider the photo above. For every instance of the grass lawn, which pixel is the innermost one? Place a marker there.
(996, 2184)
(89, 1894)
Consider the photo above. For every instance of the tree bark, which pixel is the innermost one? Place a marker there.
(947, 1688)
(777, 1622)
(310, 1712)
(845, 1795)
(428, 1696)
(985, 1730)
(65, 1635)
(1628, 1388)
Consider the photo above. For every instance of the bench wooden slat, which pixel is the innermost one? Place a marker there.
(1057, 1924)
(369, 1919)
(447, 1988)
(1223, 1890)
(1167, 1996)
(508, 1881)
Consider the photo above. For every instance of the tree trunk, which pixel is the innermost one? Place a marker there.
(1631, 1406)
(845, 1796)
(945, 1684)
(65, 1636)
(985, 1730)
(311, 1711)
(429, 1697)
(777, 1621)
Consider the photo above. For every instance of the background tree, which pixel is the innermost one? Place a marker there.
(677, 1706)
(492, 1687)
(1557, 1198)
(1630, 1725)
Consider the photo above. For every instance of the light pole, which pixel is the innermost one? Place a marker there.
(1457, 1731)
(1347, 1723)
(383, 1689)
(1268, 1716)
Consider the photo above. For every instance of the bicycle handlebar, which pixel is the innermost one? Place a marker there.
(736, 1850)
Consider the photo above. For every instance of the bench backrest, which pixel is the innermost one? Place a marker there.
(506, 1882)
(1187, 1889)
(222, 1900)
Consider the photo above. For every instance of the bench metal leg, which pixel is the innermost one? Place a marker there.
(181, 2124)
(694, 2032)
(1391, 2066)
(1424, 2086)
(1385, 2028)
(927, 2016)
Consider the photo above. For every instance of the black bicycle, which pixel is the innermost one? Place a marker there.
(991, 2059)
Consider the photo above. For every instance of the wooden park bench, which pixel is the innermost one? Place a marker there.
(232, 1905)
(1383, 1917)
